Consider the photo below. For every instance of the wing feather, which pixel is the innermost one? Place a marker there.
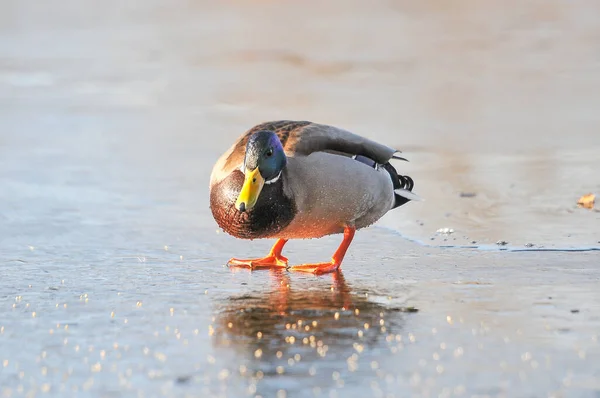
(323, 138)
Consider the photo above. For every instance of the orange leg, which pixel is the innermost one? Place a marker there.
(336, 260)
(273, 260)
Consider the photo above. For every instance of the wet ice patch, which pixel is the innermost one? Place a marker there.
(24, 79)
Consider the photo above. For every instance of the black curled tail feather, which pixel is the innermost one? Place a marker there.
(407, 183)
(400, 182)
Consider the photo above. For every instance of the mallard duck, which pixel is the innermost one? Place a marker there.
(297, 180)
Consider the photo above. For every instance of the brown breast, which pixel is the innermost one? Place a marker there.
(271, 214)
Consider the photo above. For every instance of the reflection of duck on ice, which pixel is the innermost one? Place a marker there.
(293, 329)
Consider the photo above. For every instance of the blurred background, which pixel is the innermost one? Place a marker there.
(493, 100)
(112, 114)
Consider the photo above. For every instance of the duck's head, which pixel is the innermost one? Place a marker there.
(263, 164)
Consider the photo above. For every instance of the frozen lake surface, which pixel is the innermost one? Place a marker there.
(112, 269)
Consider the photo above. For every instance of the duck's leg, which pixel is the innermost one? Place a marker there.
(336, 260)
(273, 260)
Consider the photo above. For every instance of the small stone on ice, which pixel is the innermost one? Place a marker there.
(502, 243)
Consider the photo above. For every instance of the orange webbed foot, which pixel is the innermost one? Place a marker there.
(318, 268)
(336, 260)
(270, 261)
(273, 261)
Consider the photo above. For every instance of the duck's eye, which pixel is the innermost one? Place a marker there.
(269, 153)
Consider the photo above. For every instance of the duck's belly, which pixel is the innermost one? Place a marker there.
(309, 229)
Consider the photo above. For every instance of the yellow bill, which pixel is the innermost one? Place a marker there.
(253, 184)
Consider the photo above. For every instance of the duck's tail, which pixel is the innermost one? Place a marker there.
(403, 185)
